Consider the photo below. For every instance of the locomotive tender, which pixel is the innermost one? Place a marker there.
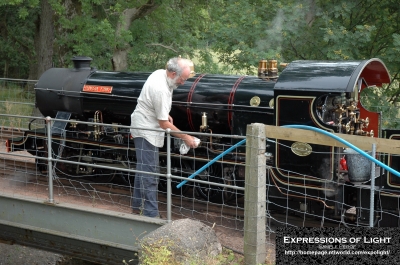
(322, 94)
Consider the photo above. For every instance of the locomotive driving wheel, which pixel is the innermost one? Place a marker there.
(124, 177)
(101, 175)
(95, 174)
(217, 173)
(178, 168)
(117, 160)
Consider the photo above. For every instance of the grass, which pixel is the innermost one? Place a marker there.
(161, 255)
(15, 100)
(161, 252)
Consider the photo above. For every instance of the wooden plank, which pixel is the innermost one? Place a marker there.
(363, 142)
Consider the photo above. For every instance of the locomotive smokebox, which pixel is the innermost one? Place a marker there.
(58, 89)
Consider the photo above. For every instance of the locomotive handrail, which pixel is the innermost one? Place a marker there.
(366, 155)
(220, 104)
(14, 79)
(19, 103)
(181, 102)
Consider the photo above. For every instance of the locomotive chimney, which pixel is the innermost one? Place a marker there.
(81, 62)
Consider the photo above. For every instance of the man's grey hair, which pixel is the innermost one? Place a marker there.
(177, 65)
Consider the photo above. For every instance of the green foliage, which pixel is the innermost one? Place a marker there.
(237, 33)
(86, 29)
(343, 30)
(90, 28)
(173, 29)
(159, 253)
(16, 43)
(379, 100)
(222, 36)
(11, 2)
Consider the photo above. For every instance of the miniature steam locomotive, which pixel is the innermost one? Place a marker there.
(322, 94)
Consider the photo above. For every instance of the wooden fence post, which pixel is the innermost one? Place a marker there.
(255, 195)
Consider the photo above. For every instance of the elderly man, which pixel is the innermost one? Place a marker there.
(152, 112)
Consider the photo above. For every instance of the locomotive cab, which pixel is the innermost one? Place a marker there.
(325, 95)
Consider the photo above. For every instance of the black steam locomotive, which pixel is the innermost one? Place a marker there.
(322, 94)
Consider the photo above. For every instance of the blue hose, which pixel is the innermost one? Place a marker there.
(211, 162)
(373, 159)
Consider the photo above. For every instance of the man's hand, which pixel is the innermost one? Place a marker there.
(191, 141)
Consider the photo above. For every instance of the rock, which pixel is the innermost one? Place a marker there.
(185, 239)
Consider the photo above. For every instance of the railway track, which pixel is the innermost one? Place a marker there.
(7, 132)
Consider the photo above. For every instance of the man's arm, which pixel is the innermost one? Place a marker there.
(189, 140)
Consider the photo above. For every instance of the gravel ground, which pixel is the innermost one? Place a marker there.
(20, 255)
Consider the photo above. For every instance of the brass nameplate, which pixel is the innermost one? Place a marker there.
(301, 149)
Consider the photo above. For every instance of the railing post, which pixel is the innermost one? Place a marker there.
(372, 199)
(255, 195)
(49, 159)
(169, 182)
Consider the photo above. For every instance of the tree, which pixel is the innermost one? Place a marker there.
(143, 34)
(30, 35)
(175, 28)
(128, 15)
(44, 37)
(248, 30)
(99, 29)
(16, 42)
(133, 35)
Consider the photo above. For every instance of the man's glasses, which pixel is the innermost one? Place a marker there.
(180, 79)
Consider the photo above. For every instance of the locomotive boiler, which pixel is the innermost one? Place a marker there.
(322, 94)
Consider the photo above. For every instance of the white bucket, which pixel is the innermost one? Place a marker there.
(359, 167)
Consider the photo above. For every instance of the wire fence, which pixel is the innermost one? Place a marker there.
(94, 164)
(99, 172)
(17, 97)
